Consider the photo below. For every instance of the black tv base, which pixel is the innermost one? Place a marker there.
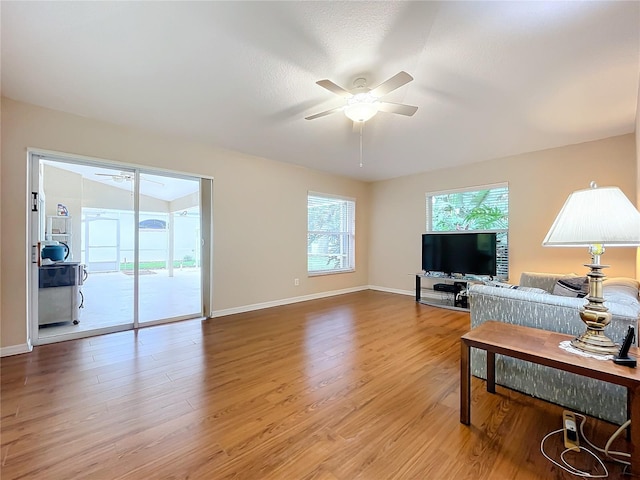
(452, 295)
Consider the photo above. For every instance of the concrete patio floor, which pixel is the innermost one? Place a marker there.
(108, 300)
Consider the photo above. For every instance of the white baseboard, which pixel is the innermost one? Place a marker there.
(411, 293)
(16, 349)
(284, 301)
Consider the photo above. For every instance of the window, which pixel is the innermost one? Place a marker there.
(330, 234)
(481, 208)
(153, 224)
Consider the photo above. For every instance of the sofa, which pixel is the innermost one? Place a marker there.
(532, 303)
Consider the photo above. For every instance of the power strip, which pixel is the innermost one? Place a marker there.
(571, 439)
(572, 443)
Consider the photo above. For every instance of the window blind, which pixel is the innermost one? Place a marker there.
(330, 234)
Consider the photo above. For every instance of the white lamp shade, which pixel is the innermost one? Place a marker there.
(596, 216)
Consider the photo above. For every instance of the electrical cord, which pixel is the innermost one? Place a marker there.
(568, 467)
(606, 450)
(610, 441)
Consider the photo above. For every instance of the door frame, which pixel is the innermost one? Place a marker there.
(206, 203)
(87, 229)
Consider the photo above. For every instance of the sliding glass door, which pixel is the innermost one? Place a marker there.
(169, 246)
(135, 247)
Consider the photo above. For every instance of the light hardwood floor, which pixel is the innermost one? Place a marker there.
(358, 386)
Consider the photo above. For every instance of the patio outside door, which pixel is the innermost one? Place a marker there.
(138, 233)
(169, 244)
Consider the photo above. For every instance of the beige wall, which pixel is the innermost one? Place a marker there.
(638, 172)
(258, 254)
(184, 203)
(259, 216)
(539, 184)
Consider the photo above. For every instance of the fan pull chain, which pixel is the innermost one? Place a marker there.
(361, 128)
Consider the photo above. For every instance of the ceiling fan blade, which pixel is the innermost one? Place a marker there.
(398, 80)
(322, 114)
(114, 177)
(400, 108)
(152, 181)
(332, 87)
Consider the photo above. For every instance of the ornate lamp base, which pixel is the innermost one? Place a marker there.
(594, 314)
(595, 341)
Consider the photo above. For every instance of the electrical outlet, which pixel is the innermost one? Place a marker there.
(570, 426)
(296, 281)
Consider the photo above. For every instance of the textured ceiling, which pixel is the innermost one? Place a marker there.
(491, 78)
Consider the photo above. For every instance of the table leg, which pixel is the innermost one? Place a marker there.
(491, 372)
(465, 384)
(629, 413)
(634, 402)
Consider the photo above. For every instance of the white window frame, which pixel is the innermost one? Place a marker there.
(503, 260)
(346, 232)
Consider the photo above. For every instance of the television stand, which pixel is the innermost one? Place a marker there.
(443, 291)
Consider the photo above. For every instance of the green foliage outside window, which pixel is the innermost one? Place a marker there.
(486, 209)
(479, 210)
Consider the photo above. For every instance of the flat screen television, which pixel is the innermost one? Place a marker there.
(467, 253)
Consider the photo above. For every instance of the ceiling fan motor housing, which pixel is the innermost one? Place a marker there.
(360, 84)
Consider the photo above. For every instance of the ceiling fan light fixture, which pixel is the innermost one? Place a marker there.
(361, 107)
(360, 112)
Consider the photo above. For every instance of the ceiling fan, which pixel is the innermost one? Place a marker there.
(126, 176)
(362, 103)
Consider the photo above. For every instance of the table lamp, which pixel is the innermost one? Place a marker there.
(595, 218)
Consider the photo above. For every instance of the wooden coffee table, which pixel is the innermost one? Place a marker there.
(541, 347)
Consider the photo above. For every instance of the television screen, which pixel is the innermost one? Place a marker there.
(472, 253)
